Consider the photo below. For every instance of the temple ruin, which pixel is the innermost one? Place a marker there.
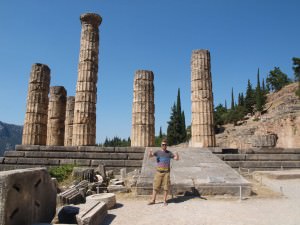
(143, 122)
(203, 134)
(84, 125)
(35, 124)
(56, 116)
(69, 120)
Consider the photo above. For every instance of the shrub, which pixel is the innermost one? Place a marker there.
(61, 172)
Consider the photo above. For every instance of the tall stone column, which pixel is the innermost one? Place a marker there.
(84, 126)
(203, 134)
(56, 116)
(143, 127)
(35, 124)
(69, 121)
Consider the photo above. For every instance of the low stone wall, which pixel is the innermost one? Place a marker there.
(113, 158)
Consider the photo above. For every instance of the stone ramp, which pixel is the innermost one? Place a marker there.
(197, 171)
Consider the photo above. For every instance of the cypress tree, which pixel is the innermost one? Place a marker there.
(160, 133)
(258, 95)
(249, 98)
(232, 100)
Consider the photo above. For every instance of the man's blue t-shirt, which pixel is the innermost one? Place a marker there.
(163, 159)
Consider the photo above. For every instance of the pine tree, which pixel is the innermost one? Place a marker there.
(277, 79)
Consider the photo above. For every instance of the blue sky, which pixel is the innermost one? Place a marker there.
(157, 35)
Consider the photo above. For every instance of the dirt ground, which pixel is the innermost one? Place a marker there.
(274, 202)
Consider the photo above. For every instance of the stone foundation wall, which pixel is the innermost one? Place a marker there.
(113, 158)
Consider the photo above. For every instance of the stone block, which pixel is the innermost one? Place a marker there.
(108, 198)
(83, 162)
(135, 163)
(91, 213)
(1, 160)
(116, 188)
(135, 156)
(120, 163)
(10, 160)
(67, 161)
(27, 147)
(27, 196)
(13, 154)
(130, 149)
(52, 148)
(33, 161)
(118, 155)
(53, 161)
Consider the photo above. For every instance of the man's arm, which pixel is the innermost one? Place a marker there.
(150, 154)
(176, 156)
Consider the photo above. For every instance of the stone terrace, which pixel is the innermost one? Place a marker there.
(113, 158)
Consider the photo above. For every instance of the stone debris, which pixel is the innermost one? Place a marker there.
(83, 173)
(27, 196)
(91, 213)
(108, 198)
(143, 130)
(113, 188)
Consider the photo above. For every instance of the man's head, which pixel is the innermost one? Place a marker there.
(164, 144)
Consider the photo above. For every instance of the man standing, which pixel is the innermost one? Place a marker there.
(162, 175)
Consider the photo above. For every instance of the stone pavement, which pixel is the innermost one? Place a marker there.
(198, 171)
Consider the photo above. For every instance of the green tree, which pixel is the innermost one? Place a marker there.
(277, 79)
(259, 95)
(160, 133)
(232, 99)
(176, 131)
(249, 98)
(296, 68)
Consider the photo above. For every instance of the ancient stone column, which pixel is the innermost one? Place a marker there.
(84, 126)
(35, 124)
(143, 127)
(56, 116)
(69, 120)
(203, 134)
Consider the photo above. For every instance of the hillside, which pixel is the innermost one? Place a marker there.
(10, 135)
(278, 127)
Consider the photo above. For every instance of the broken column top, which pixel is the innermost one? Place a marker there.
(203, 53)
(91, 18)
(41, 66)
(55, 90)
(144, 74)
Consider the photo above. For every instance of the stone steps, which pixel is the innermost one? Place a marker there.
(114, 158)
(264, 159)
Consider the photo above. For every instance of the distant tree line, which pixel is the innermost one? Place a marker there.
(116, 142)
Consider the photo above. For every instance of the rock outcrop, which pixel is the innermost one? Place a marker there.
(278, 127)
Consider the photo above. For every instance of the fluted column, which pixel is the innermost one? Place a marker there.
(69, 120)
(203, 134)
(143, 122)
(56, 116)
(35, 124)
(84, 126)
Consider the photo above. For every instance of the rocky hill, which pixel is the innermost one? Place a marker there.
(278, 126)
(10, 135)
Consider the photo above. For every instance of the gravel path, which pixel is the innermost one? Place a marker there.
(281, 208)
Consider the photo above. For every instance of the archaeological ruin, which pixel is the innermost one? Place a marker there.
(56, 116)
(35, 125)
(69, 120)
(203, 134)
(84, 124)
(143, 122)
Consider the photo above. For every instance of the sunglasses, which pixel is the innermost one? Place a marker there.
(164, 144)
